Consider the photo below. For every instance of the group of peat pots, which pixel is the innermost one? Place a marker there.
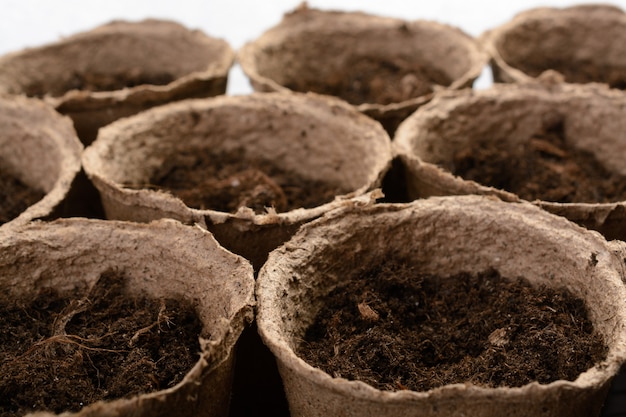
(365, 235)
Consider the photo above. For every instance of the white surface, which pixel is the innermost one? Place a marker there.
(25, 23)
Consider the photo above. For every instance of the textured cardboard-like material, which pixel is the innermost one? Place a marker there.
(594, 119)
(316, 137)
(314, 46)
(161, 259)
(443, 236)
(589, 40)
(40, 147)
(197, 64)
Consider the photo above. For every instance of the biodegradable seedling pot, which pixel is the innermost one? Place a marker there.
(119, 69)
(162, 259)
(433, 142)
(40, 148)
(385, 67)
(314, 137)
(585, 43)
(442, 236)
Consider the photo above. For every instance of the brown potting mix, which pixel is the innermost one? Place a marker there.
(61, 352)
(376, 81)
(543, 168)
(15, 196)
(397, 329)
(227, 180)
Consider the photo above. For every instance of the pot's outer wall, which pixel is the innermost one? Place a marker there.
(319, 138)
(162, 259)
(311, 46)
(594, 121)
(444, 236)
(191, 63)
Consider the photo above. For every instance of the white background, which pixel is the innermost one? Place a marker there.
(25, 23)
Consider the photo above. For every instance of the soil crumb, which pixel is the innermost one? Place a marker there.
(61, 352)
(227, 181)
(544, 168)
(397, 329)
(15, 196)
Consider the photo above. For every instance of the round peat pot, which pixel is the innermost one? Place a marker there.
(165, 261)
(558, 145)
(441, 236)
(39, 160)
(585, 43)
(119, 69)
(256, 147)
(386, 67)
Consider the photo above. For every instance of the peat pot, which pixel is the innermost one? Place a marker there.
(118, 69)
(444, 236)
(317, 139)
(161, 260)
(558, 145)
(385, 67)
(40, 150)
(585, 43)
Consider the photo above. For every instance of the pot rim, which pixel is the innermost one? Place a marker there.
(174, 205)
(82, 100)
(549, 87)
(489, 38)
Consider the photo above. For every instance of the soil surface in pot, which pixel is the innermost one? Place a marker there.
(228, 180)
(370, 80)
(581, 72)
(97, 82)
(15, 196)
(544, 168)
(61, 352)
(397, 329)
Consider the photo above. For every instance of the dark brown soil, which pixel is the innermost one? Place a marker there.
(15, 196)
(544, 168)
(62, 352)
(397, 329)
(229, 180)
(370, 80)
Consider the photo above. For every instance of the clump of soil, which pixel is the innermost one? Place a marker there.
(61, 352)
(15, 196)
(544, 168)
(227, 181)
(374, 81)
(396, 329)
